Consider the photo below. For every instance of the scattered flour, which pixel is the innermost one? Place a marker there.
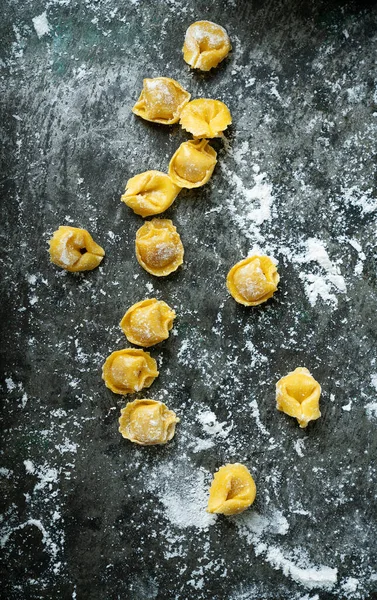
(183, 492)
(211, 426)
(10, 384)
(67, 446)
(360, 199)
(257, 528)
(361, 256)
(356, 94)
(371, 409)
(327, 280)
(299, 446)
(347, 407)
(310, 577)
(46, 475)
(349, 587)
(256, 358)
(256, 415)
(24, 400)
(4, 472)
(373, 380)
(199, 444)
(41, 24)
(254, 204)
(46, 538)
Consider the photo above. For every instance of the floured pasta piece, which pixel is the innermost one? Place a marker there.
(205, 118)
(74, 249)
(206, 45)
(161, 100)
(232, 490)
(253, 280)
(150, 193)
(148, 322)
(159, 249)
(128, 371)
(192, 164)
(147, 422)
(298, 394)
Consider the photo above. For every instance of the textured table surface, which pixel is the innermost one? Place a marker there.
(88, 515)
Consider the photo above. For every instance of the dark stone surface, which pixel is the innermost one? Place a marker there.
(89, 517)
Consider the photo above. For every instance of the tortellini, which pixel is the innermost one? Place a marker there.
(161, 100)
(150, 193)
(206, 45)
(148, 322)
(147, 422)
(159, 249)
(205, 118)
(128, 371)
(192, 164)
(253, 280)
(74, 249)
(298, 394)
(232, 490)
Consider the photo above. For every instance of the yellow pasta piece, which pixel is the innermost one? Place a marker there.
(206, 45)
(159, 249)
(150, 193)
(205, 118)
(298, 394)
(147, 422)
(74, 249)
(253, 280)
(192, 164)
(232, 490)
(148, 322)
(161, 100)
(128, 371)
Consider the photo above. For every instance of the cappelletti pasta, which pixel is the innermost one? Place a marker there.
(192, 164)
(74, 249)
(253, 280)
(298, 394)
(206, 45)
(148, 322)
(232, 490)
(150, 193)
(159, 249)
(205, 118)
(147, 422)
(128, 371)
(161, 101)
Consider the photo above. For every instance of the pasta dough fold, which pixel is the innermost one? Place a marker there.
(74, 249)
(253, 280)
(159, 249)
(206, 45)
(150, 193)
(205, 118)
(298, 394)
(192, 164)
(128, 371)
(148, 322)
(161, 100)
(232, 490)
(147, 422)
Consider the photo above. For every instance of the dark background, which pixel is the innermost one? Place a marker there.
(89, 516)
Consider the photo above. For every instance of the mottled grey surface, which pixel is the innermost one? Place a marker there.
(90, 516)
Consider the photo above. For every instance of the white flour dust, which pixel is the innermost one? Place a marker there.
(258, 529)
(41, 24)
(183, 492)
(327, 279)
